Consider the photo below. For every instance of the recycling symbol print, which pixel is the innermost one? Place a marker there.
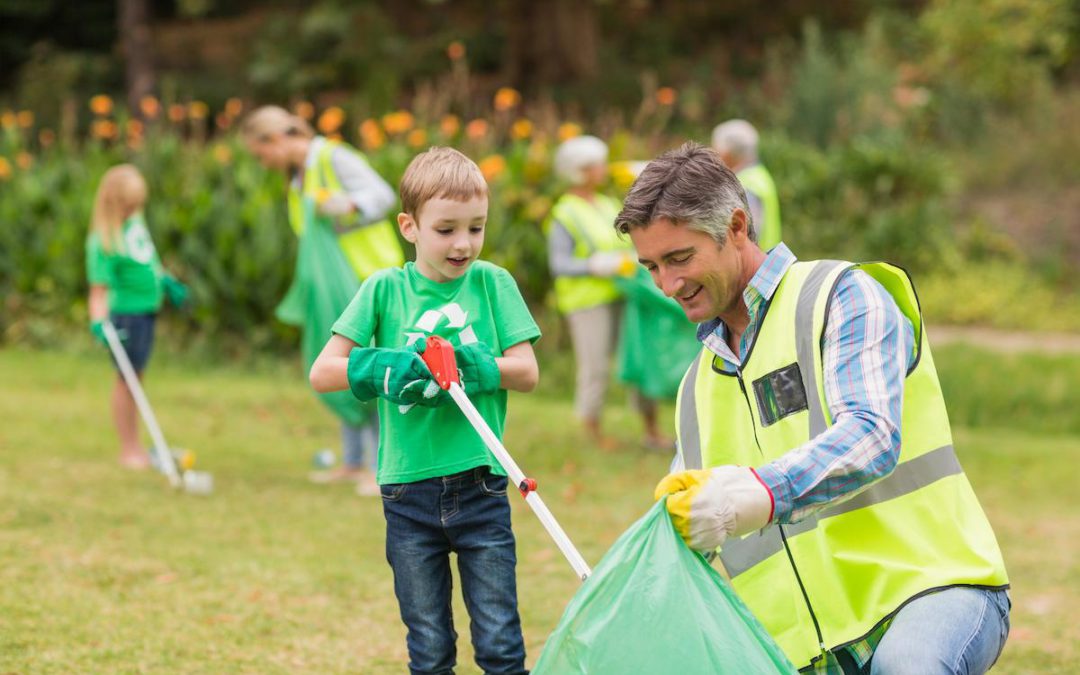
(453, 315)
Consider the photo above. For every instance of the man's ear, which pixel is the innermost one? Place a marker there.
(408, 227)
(739, 226)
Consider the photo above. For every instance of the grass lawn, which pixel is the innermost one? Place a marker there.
(102, 570)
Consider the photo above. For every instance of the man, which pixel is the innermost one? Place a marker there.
(737, 143)
(814, 446)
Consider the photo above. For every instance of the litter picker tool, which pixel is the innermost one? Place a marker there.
(195, 482)
(440, 359)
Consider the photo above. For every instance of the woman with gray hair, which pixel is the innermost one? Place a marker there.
(585, 254)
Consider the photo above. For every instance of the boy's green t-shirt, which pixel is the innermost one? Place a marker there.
(131, 269)
(398, 306)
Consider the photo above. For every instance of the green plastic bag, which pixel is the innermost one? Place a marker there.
(321, 289)
(657, 342)
(654, 606)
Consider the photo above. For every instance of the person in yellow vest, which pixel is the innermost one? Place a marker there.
(737, 143)
(331, 182)
(584, 255)
(814, 449)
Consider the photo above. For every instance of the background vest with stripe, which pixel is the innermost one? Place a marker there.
(368, 247)
(829, 580)
(592, 227)
(759, 181)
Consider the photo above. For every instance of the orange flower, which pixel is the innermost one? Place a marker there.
(104, 129)
(46, 137)
(305, 110)
(233, 107)
(134, 128)
(521, 129)
(371, 135)
(506, 98)
(449, 125)
(455, 50)
(398, 122)
(222, 154)
(198, 110)
(8, 119)
(101, 105)
(223, 121)
(150, 107)
(331, 120)
(416, 138)
(491, 166)
(177, 112)
(568, 130)
(476, 129)
(5, 168)
(25, 119)
(666, 96)
(24, 160)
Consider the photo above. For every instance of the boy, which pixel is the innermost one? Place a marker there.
(442, 490)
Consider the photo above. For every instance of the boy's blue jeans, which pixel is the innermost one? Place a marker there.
(467, 513)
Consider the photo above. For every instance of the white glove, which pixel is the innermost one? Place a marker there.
(605, 264)
(709, 506)
(337, 204)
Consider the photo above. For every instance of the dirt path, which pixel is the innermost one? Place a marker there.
(1008, 342)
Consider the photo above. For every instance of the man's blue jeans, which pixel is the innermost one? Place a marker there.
(466, 513)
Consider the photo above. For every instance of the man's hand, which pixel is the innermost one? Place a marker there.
(709, 505)
(335, 204)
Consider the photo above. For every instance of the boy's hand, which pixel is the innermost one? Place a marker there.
(385, 373)
(478, 370)
(97, 329)
(176, 292)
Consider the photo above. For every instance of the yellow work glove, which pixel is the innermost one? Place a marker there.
(709, 505)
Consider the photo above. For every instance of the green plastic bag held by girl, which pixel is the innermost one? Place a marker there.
(654, 606)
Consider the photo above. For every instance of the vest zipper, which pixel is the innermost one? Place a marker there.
(783, 537)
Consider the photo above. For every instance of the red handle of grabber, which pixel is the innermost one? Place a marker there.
(439, 357)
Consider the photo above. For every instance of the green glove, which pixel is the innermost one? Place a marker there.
(385, 373)
(177, 293)
(97, 329)
(477, 369)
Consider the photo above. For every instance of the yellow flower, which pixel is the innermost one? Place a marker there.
(455, 50)
(305, 110)
(101, 105)
(521, 129)
(104, 129)
(398, 122)
(24, 160)
(666, 96)
(233, 107)
(371, 135)
(198, 110)
(331, 120)
(506, 98)
(491, 166)
(222, 154)
(5, 168)
(416, 138)
(476, 129)
(46, 137)
(568, 130)
(177, 112)
(449, 125)
(150, 107)
(25, 119)
(8, 119)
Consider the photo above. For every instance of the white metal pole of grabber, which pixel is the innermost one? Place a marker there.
(164, 455)
(440, 359)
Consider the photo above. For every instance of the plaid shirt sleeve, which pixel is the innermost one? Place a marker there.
(867, 349)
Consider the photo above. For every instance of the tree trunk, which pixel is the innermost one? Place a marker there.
(551, 42)
(139, 72)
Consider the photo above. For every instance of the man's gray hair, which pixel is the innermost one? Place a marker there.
(738, 138)
(689, 186)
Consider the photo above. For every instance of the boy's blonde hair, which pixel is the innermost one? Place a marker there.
(271, 120)
(440, 172)
(121, 193)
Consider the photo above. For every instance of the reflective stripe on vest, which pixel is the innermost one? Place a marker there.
(759, 181)
(592, 227)
(853, 564)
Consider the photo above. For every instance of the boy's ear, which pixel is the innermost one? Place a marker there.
(408, 226)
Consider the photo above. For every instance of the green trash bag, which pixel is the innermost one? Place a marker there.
(654, 606)
(322, 287)
(657, 342)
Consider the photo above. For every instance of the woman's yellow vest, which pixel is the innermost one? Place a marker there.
(829, 580)
(592, 227)
(368, 247)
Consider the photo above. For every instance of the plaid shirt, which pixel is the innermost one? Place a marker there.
(867, 349)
